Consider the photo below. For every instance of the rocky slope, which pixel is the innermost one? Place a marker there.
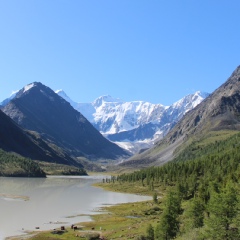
(219, 111)
(17, 140)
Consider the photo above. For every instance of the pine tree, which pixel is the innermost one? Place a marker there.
(150, 232)
(197, 213)
(223, 207)
(158, 232)
(169, 224)
(155, 198)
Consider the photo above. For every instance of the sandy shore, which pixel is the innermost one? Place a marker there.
(14, 197)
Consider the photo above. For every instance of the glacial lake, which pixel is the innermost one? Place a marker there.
(27, 203)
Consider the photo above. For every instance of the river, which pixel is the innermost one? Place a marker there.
(27, 203)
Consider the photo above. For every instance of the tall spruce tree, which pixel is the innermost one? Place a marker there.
(223, 208)
(197, 213)
(169, 223)
(150, 232)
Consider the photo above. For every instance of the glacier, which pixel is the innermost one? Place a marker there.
(134, 125)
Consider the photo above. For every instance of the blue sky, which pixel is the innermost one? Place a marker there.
(152, 50)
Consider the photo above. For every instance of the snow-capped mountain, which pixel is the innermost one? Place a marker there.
(87, 109)
(176, 111)
(112, 115)
(135, 124)
(7, 100)
(115, 117)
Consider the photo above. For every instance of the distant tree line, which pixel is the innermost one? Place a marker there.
(16, 166)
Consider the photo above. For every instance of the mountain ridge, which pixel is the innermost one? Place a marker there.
(135, 122)
(97, 112)
(219, 111)
(38, 108)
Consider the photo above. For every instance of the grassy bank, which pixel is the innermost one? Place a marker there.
(129, 188)
(123, 221)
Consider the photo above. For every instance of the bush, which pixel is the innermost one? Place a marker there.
(93, 236)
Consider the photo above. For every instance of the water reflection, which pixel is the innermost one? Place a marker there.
(51, 200)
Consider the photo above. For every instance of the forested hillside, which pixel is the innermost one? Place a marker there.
(12, 165)
(200, 188)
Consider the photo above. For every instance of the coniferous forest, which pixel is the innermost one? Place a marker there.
(201, 187)
(12, 165)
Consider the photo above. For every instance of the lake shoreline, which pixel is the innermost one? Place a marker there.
(91, 212)
(105, 223)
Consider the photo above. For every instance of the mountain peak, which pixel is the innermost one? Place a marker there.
(38, 108)
(33, 84)
(59, 91)
(193, 99)
(62, 94)
(201, 94)
(24, 90)
(105, 98)
(29, 87)
(7, 100)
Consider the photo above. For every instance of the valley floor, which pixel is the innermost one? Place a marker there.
(123, 221)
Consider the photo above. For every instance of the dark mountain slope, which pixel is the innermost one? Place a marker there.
(219, 111)
(14, 139)
(38, 108)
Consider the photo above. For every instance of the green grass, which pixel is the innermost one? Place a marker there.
(206, 139)
(134, 187)
(217, 136)
(123, 221)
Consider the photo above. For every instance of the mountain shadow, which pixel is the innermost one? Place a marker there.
(37, 108)
(15, 139)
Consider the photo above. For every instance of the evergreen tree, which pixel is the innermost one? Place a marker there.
(197, 213)
(223, 208)
(169, 224)
(150, 232)
(158, 232)
(155, 198)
